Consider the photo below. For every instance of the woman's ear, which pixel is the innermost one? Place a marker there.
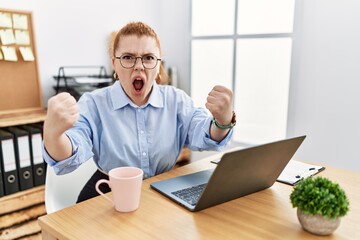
(158, 79)
(113, 60)
(162, 77)
(116, 77)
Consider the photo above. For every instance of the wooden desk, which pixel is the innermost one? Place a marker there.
(267, 214)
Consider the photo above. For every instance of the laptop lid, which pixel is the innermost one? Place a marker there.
(239, 173)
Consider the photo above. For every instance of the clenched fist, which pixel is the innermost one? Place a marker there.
(62, 113)
(219, 103)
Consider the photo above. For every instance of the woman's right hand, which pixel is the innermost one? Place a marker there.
(62, 114)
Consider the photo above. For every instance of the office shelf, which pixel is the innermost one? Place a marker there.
(80, 79)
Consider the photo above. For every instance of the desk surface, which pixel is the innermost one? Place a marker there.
(267, 214)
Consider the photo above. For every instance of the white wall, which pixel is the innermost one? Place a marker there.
(325, 83)
(175, 37)
(325, 79)
(69, 33)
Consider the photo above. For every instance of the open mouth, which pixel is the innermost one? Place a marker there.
(138, 84)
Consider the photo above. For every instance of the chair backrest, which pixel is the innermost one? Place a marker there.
(62, 191)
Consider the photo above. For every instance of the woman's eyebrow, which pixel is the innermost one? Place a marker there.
(129, 53)
(133, 54)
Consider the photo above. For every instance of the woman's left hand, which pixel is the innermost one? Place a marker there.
(219, 103)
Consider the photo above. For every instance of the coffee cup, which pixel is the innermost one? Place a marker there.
(125, 184)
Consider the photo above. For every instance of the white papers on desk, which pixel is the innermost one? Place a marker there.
(89, 80)
(295, 171)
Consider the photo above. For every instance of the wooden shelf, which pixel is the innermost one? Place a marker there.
(21, 103)
(22, 199)
(22, 117)
(19, 213)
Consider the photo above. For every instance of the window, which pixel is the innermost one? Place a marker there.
(245, 45)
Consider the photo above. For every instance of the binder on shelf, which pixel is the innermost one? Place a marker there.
(38, 125)
(2, 191)
(8, 163)
(37, 162)
(22, 156)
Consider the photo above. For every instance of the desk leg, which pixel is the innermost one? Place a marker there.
(47, 236)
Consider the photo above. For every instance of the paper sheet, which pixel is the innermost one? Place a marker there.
(27, 54)
(24, 151)
(36, 148)
(296, 170)
(20, 21)
(83, 80)
(8, 155)
(5, 20)
(9, 53)
(7, 36)
(22, 37)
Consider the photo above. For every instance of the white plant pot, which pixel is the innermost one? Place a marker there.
(317, 224)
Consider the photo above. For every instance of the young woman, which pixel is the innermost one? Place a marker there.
(136, 121)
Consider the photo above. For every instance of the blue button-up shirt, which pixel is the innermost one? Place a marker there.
(116, 132)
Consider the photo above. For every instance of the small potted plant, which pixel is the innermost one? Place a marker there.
(320, 203)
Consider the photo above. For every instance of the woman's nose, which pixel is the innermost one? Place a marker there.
(138, 64)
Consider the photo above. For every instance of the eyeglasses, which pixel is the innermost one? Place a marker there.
(149, 61)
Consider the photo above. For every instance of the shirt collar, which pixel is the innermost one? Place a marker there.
(119, 98)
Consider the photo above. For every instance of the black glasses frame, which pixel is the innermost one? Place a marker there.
(142, 61)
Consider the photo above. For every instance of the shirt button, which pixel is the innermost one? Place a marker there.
(139, 109)
(141, 132)
(144, 153)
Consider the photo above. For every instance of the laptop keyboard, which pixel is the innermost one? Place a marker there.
(190, 195)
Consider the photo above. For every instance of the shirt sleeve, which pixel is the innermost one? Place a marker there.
(217, 145)
(199, 135)
(197, 122)
(66, 165)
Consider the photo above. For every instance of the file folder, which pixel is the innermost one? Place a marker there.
(22, 157)
(38, 125)
(38, 164)
(2, 191)
(8, 163)
(295, 171)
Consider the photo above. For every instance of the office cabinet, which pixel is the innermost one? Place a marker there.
(20, 103)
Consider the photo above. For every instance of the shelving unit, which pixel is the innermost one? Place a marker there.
(19, 213)
(80, 79)
(13, 119)
(21, 103)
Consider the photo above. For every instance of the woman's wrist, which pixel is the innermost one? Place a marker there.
(225, 126)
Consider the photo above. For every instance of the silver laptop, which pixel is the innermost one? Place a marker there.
(237, 174)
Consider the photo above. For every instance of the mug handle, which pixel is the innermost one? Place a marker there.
(99, 191)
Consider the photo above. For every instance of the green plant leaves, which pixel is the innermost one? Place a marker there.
(320, 196)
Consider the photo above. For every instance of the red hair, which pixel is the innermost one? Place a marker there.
(138, 29)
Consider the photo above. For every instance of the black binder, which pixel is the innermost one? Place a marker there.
(38, 125)
(2, 191)
(38, 164)
(8, 163)
(22, 156)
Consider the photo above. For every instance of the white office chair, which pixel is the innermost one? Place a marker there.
(61, 191)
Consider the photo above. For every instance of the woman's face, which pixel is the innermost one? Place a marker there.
(136, 81)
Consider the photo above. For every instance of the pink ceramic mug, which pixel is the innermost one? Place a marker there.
(125, 184)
